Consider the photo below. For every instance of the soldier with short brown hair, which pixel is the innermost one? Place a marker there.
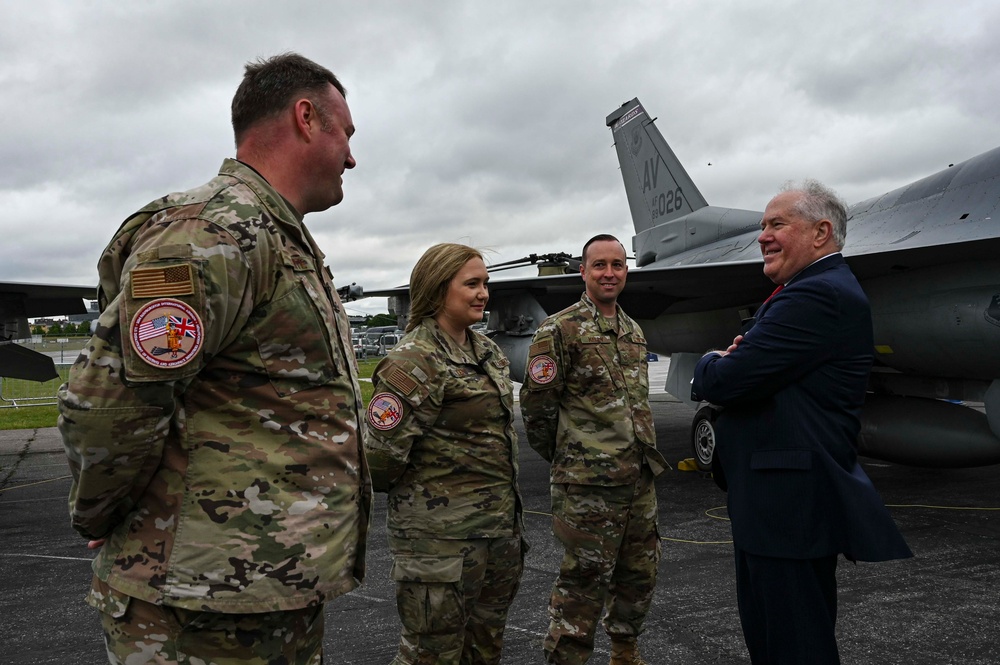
(585, 403)
(213, 423)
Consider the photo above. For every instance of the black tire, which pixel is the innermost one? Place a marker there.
(703, 437)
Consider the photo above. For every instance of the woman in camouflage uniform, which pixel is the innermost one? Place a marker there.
(443, 446)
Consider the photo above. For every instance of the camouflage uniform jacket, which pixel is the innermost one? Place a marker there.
(585, 398)
(234, 481)
(441, 437)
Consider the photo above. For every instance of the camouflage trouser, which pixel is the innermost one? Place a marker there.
(138, 632)
(452, 597)
(612, 551)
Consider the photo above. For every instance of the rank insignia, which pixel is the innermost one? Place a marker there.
(166, 333)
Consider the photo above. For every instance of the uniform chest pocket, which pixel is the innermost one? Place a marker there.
(293, 342)
(597, 363)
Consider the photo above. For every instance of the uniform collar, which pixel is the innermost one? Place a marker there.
(624, 325)
(283, 212)
(456, 353)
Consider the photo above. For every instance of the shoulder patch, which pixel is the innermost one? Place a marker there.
(540, 347)
(542, 370)
(385, 411)
(400, 380)
(166, 333)
(162, 281)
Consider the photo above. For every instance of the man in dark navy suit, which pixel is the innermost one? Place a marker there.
(792, 387)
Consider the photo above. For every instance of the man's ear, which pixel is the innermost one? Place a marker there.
(823, 232)
(306, 118)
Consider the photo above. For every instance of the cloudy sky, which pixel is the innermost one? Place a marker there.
(480, 122)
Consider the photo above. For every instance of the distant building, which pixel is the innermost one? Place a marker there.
(92, 313)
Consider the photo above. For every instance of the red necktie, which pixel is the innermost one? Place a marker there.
(775, 292)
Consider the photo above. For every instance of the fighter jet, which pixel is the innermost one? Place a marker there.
(926, 255)
(21, 301)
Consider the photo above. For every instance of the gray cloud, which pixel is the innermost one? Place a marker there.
(480, 122)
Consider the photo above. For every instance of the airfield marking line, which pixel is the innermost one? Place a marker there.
(40, 482)
(717, 517)
(921, 505)
(696, 542)
(51, 498)
(361, 595)
(48, 556)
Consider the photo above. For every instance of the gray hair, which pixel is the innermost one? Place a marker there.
(820, 202)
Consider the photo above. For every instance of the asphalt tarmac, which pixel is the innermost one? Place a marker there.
(941, 607)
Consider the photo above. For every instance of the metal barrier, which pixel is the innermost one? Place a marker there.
(19, 393)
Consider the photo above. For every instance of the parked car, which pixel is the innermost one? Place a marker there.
(387, 341)
(372, 339)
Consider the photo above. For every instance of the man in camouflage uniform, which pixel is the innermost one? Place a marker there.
(213, 423)
(442, 444)
(585, 403)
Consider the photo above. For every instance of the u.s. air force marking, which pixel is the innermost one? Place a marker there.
(385, 411)
(166, 333)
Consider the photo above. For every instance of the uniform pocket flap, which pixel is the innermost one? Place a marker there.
(413, 568)
(109, 601)
(781, 459)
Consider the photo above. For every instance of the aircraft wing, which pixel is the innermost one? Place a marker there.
(648, 291)
(20, 301)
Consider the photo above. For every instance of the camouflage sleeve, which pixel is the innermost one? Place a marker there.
(116, 408)
(542, 390)
(404, 405)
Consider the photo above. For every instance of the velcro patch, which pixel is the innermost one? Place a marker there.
(166, 333)
(542, 370)
(540, 347)
(400, 380)
(385, 411)
(162, 281)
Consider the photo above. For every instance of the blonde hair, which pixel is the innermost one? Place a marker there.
(431, 277)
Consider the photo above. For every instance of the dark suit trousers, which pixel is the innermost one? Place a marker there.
(788, 608)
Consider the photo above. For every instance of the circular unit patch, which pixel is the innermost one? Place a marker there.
(542, 370)
(385, 411)
(166, 333)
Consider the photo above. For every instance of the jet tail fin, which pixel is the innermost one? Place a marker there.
(658, 187)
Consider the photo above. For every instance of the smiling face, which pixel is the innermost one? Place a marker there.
(466, 299)
(788, 241)
(603, 272)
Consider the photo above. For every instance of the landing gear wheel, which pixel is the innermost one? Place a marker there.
(703, 437)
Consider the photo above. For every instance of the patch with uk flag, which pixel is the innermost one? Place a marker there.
(385, 411)
(166, 333)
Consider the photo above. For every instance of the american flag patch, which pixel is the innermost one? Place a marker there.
(540, 347)
(399, 380)
(160, 282)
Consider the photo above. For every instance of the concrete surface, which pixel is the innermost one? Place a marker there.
(941, 607)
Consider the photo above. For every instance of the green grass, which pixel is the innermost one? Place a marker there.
(35, 401)
(32, 417)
